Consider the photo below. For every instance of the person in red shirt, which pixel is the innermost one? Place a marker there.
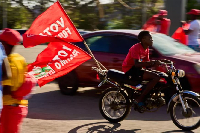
(158, 23)
(138, 58)
(180, 35)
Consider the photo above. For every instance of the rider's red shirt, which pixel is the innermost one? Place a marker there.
(135, 52)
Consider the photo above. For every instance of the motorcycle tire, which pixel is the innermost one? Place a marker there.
(185, 128)
(127, 105)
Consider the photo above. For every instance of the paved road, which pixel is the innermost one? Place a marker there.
(52, 112)
(30, 54)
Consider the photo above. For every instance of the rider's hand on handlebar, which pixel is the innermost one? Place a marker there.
(157, 63)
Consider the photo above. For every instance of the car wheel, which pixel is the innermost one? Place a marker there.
(68, 84)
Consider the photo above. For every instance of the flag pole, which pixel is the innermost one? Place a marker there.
(97, 62)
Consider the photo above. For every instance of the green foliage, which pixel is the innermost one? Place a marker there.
(85, 14)
(84, 17)
(192, 4)
(131, 18)
(17, 17)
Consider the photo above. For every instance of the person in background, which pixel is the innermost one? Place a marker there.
(16, 88)
(5, 72)
(158, 23)
(193, 30)
(180, 35)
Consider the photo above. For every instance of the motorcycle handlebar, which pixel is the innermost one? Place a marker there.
(168, 64)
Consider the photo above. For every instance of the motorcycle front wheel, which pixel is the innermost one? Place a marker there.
(114, 105)
(189, 120)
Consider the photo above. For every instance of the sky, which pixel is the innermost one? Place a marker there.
(105, 1)
(31, 4)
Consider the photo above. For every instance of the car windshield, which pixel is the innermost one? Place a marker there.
(168, 46)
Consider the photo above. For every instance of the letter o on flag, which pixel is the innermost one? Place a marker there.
(54, 27)
(57, 65)
(62, 53)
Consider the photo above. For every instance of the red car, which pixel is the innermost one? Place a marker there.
(110, 48)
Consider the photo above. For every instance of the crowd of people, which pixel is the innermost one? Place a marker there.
(187, 33)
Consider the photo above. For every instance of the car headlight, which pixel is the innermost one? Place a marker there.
(197, 67)
(180, 73)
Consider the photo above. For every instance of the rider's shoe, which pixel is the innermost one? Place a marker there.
(140, 107)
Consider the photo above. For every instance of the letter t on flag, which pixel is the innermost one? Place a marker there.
(53, 25)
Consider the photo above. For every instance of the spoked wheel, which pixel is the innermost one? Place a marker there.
(114, 105)
(190, 119)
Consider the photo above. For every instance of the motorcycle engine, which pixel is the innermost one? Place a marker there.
(160, 102)
(150, 102)
(154, 103)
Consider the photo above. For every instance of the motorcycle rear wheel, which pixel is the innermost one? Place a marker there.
(114, 105)
(192, 112)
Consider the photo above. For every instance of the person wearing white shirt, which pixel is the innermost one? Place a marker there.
(193, 30)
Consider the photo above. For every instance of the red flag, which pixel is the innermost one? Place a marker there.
(52, 25)
(180, 35)
(56, 60)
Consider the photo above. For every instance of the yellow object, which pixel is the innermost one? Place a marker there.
(8, 100)
(18, 68)
(174, 81)
(173, 74)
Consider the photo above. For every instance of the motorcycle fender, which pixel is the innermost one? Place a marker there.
(175, 97)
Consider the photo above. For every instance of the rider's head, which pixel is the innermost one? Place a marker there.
(9, 39)
(145, 38)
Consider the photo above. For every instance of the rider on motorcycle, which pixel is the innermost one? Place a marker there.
(136, 60)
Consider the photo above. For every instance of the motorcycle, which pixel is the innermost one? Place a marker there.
(116, 102)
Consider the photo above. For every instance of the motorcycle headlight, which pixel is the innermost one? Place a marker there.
(197, 67)
(180, 73)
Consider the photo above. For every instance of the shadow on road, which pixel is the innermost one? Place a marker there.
(102, 127)
(178, 131)
(84, 105)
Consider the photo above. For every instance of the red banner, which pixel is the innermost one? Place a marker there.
(180, 35)
(51, 26)
(56, 60)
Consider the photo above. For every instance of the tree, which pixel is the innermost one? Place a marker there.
(16, 17)
(130, 14)
(83, 13)
(192, 4)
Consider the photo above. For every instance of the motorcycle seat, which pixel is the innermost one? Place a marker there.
(121, 78)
